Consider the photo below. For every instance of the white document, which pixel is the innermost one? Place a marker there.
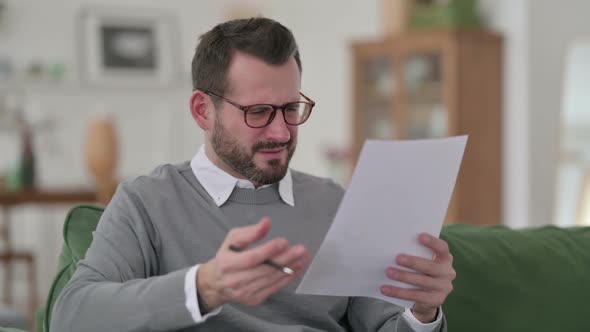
(399, 189)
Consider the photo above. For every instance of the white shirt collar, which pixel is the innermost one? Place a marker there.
(219, 184)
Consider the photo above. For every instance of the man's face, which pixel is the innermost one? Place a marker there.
(260, 155)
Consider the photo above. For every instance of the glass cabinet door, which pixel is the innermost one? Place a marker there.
(377, 98)
(426, 115)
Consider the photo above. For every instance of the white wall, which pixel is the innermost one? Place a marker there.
(537, 34)
(553, 25)
(510, 18)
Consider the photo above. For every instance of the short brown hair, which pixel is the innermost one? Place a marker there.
(261, 37)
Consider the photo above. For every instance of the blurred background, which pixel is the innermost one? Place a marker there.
(94, 91)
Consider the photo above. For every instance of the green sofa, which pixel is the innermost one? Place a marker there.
(507, 280)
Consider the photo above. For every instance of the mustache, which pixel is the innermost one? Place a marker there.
(270, 145)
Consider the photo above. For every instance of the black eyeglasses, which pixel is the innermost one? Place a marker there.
(261, 115)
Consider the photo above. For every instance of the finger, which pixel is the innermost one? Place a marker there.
(299, 262)
(296, 258)
(242, 237)
(256, 298)
(421, 265)
(440, 247)
(253, 257)
(258, 290)
(264, 292)
(423, 282)
(433, 299)
(242, 279)
(268, 280)
(297, 265)
(291, 255)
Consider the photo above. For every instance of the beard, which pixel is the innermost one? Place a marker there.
(241, 160)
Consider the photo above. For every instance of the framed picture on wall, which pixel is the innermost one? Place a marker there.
(128, 46)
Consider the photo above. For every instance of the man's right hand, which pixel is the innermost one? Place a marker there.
(242, 277)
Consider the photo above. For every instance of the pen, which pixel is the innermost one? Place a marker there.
(268, 262)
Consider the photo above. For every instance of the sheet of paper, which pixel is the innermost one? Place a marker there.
(399, 189)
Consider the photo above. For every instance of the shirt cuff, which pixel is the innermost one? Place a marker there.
(192, 303)
(417, 325)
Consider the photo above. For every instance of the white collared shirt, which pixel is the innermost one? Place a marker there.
(219, 185)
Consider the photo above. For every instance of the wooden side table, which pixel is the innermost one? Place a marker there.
(9, 255)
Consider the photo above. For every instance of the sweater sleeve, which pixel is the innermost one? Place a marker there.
(117, 286)
(368, 314)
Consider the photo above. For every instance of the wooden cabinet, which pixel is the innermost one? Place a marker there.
(435, 84)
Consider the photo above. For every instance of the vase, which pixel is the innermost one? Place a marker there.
(102, 156)
(395, 16)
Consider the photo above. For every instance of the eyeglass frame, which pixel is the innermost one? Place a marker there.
(275, 108)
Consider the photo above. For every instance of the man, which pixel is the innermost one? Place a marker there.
(160, 257)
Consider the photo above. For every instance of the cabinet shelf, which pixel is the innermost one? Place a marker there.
(431, 84)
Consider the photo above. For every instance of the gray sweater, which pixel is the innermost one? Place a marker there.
(158, 226)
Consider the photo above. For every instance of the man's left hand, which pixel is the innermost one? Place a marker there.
(433, 279)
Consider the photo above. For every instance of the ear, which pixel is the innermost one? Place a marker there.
(201, 107)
